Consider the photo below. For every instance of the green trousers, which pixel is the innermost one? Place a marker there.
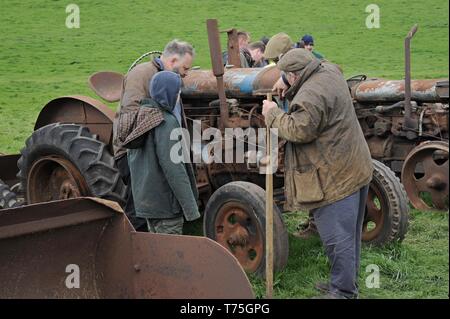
(166, 226)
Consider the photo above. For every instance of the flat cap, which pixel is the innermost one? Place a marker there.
(278, 44)
(295, 60)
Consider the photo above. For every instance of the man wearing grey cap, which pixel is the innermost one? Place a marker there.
(328, 166)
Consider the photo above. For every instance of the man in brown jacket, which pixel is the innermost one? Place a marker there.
(327, 162)
(177, 57)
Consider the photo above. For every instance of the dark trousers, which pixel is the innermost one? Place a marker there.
(124, 171)
(340, 227)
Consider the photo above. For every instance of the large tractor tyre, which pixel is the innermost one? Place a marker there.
(62, 161)
(8, 199)
(235, 217)
(387, 210)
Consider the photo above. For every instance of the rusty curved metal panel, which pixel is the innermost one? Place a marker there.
(38, 242)
(394, 90)
(81, 110)
(239, 82)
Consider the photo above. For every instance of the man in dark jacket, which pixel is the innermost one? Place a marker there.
(327, 161)
(177, 57)
(164, 190)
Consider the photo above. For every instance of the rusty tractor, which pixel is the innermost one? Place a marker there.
(406, 127)
(69, 153)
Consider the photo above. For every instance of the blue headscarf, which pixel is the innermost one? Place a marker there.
(164, 89)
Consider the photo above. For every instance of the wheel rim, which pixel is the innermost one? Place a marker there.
(53, 178)
(239, 232)
(376, 209)
(425, 171)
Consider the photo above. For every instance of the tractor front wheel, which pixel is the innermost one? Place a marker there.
(387, 211)
(235, 217)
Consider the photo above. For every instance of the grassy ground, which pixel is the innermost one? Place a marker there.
(41, 59)
(418, 267)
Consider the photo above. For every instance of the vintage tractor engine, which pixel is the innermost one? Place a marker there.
(379, 105)
(406, 126)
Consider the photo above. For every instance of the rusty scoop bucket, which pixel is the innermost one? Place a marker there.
(86, 248)
(107, 85)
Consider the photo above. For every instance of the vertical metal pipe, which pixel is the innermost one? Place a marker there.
(217, 66)
(409, 124)
(223, 103)
(408, 72)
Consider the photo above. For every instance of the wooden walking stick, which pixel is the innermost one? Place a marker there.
(267, 161)
(269, 214)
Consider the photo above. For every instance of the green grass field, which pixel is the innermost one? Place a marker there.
(41, 59)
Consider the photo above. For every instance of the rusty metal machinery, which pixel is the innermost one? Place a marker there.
(86, 248)
(379, 105)
(396, 117)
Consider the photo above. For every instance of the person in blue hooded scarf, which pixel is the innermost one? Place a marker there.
(164, 190)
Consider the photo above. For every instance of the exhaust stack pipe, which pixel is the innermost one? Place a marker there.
(218, 69)
(409, 123)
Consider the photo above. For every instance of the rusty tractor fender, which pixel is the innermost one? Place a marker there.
(78, 109)
(87, 248)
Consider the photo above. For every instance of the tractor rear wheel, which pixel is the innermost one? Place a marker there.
(8, 199)
(387, 210)
(235, 217)
(62, 161)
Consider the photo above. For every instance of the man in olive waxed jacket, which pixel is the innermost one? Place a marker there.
(327, 161)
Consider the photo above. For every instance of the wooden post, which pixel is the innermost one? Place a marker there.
(269, 214)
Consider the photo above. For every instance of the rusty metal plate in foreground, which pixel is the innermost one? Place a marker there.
(82, 248)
